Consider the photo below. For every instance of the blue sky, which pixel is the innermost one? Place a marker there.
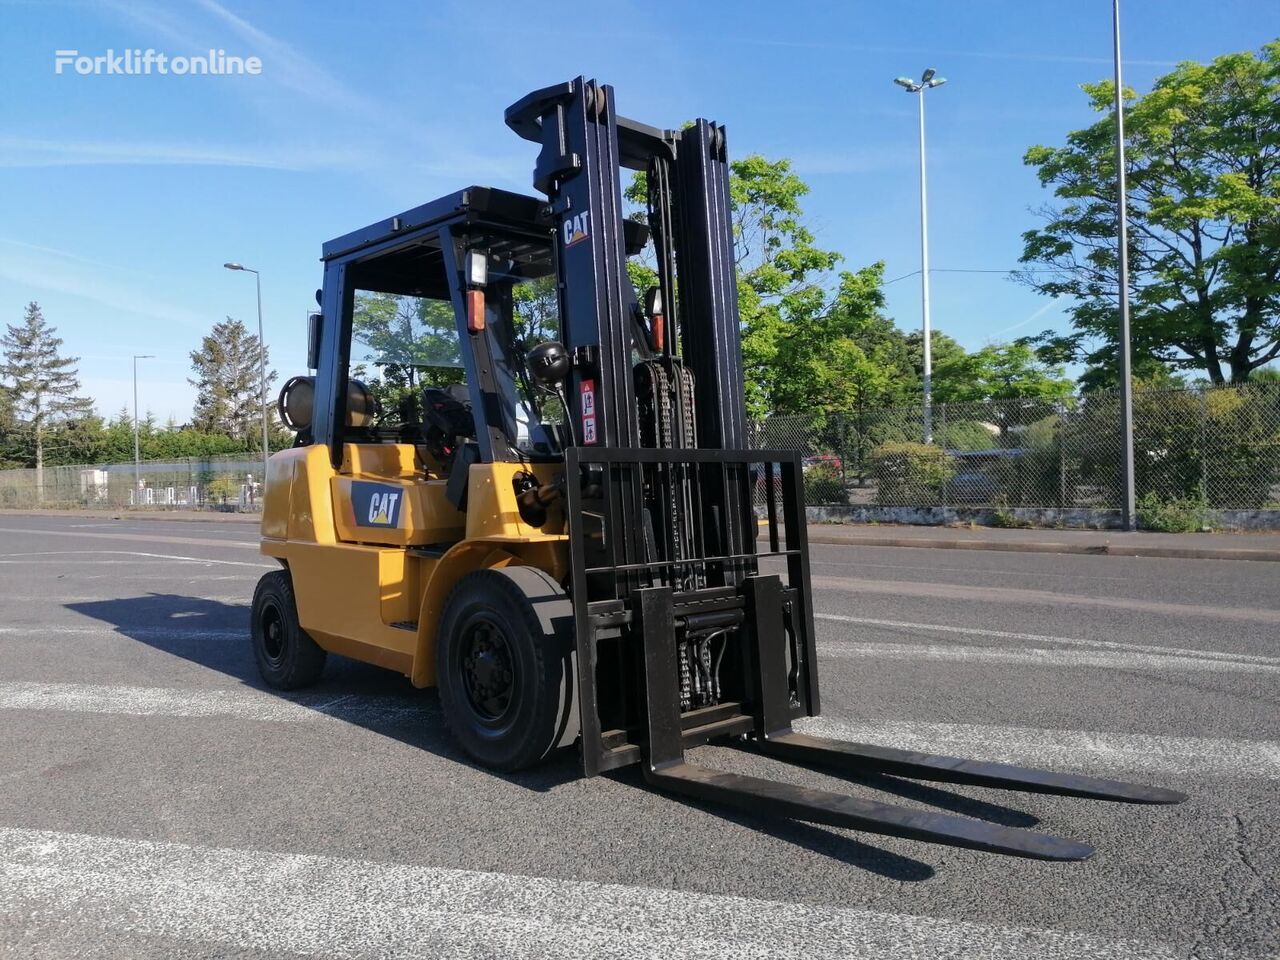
(121, 196)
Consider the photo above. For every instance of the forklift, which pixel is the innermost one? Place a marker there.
(561, 534)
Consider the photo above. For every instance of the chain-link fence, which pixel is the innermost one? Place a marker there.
(231, 482)
(1210, 449)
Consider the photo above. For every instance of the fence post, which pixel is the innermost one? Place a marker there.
(844, 452)
(861, 429)
(942, 433)
(1062, 455)
(1201, 441)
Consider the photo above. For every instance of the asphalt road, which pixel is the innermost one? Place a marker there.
(156, 802)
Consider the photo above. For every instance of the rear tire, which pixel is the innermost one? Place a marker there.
(505, 667)
(287, 657)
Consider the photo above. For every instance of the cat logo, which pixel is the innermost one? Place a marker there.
(577, 228)
(382, 508)
(376, 504)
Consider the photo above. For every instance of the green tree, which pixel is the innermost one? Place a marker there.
(77, 440)
(536, 311)
(411, 342)
(782, 274)
(227, 382)
(783, 277)
(820, 358)
(1204, 214)
(10, 439)
(43, 385)
(1006, 384)
(1013, 371)
(953, 368)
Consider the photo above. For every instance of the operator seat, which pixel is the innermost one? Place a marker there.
(449, 421)
(451, 435)
(448, 410)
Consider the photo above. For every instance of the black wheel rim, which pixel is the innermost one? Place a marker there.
(273, 638)
(488, 670)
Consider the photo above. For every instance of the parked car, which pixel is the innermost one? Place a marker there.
(976, 478)
(829, 460)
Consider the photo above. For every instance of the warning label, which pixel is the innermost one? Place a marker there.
(587, 402)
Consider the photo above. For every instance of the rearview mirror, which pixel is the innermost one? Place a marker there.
(315, 323)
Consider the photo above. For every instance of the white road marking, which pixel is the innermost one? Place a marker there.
(1076, 750)
(239, 599)
(304, 904)
(1042, 638)
(136, 576)
(1073, 750)
(1024, 596)
(1040, 657)
(73, 561)
(248, 543)
(240, 703)
(19, 558)
(138, 633)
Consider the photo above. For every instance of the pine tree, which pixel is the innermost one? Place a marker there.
(226, 379)
(43, 385)
(9, 434)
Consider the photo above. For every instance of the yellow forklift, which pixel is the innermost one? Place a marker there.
(559, 533)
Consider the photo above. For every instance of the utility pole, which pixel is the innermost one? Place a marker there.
(262, 367)
(137, 457)
(928, 80)
(1128, 510)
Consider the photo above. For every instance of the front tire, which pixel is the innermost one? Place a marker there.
(287, 657)
(505, 667)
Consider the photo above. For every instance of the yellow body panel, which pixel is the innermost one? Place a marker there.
(364, 591)
(427, 517)
(391, 460)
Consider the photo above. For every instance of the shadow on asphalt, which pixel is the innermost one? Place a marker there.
(187, 627)
(403, 712)
(942, 799)
(819, 840)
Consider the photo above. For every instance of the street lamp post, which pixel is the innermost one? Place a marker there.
(137, 458)
(928, 80)
(262, 365)
(1128, 511)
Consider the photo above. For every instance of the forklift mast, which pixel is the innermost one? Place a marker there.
(662, 530)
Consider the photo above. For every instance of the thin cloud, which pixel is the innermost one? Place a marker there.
(291, 68)
(1031, 319)
(66, 273)
(283, 65)
(65, 255)
(933, 52)
(290, 74)
(21, 152)
(863, 160)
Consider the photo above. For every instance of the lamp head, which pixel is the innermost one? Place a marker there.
(907, 84)
(233, 266)
(928, 75)
(937, 81)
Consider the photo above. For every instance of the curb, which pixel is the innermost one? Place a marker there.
(172, 517)
(929, 543)
(1048, 546)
